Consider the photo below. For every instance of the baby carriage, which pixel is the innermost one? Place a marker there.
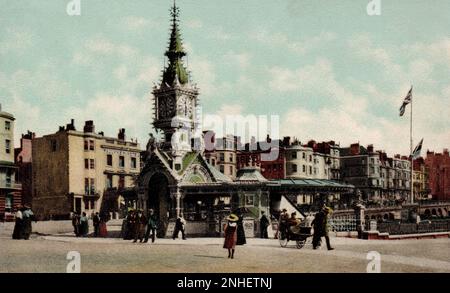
(299, 234)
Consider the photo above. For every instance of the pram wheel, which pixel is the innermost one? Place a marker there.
(283, 239)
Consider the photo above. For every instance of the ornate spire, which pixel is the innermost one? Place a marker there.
(175, 53)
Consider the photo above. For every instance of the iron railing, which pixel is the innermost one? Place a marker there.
(412, 228)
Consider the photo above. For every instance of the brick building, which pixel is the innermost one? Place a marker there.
(438, 167)
(271, 162)
(23, 157)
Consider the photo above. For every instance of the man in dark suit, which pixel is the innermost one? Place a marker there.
(320, 224)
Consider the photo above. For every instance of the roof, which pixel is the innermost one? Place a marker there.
(309, 183)
(250, 174)
(219, 176)
(7, 115)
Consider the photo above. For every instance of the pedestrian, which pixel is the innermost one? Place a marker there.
(241, 240)
(141, 222)
(231, 235)
(282, 224)
(320, 224)
(263, 224)
(96, 223)
(180, 225)
(102, 231)
(151, 226)
(28, 216)
(84, 225)
(76, 224)
(131, 224)
(18, 226)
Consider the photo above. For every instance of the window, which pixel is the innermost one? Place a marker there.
(8, 146)
(231, 170)
(294, 155)
(304, 169)
(310, 158)
(109, 160)
(303, 155)
(222, 157)
(231, 158)
(122, 162)
(86, 186)
(8, 203)
(92, 186)
(53, 145)
(86, 163)
(222, 169)
(133, 163)
(121, 181)
(294, 168)
(310, 170)
(7, 125)
(92, 163)
(109, 180)
(249, 200)
(86, 145)
(91, 145)
(213, 162)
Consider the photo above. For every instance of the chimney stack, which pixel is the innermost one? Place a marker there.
(89, 127)
(354, 149)
(121, 135)
(71, 126)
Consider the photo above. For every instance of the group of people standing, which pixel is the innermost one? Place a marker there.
(80, 223)
(137, 226)
(23, 218)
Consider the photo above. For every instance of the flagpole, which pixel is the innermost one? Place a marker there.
(411, 150)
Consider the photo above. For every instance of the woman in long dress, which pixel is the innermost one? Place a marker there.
(18, 226)
(241, 240)
(231, 235)
(84, 225)
(103, 232)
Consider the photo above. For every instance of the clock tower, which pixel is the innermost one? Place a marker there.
(175, 99)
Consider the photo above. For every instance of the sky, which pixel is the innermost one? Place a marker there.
(327, 68)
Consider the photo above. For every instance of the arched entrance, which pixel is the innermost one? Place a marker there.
(159, 200)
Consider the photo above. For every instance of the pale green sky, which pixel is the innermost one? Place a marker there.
(326, 67)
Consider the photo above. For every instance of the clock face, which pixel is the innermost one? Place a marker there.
(166, 107)
(184, 107)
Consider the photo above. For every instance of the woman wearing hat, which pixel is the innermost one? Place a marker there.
(18, 227)
(231, 235)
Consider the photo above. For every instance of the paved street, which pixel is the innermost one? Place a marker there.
(47, 253)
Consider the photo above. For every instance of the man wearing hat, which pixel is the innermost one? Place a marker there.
(282, 226)
(151, 226)
(141, 222)
(320, 224)
(231, 235)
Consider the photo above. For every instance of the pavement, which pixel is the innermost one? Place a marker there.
(48, 253)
